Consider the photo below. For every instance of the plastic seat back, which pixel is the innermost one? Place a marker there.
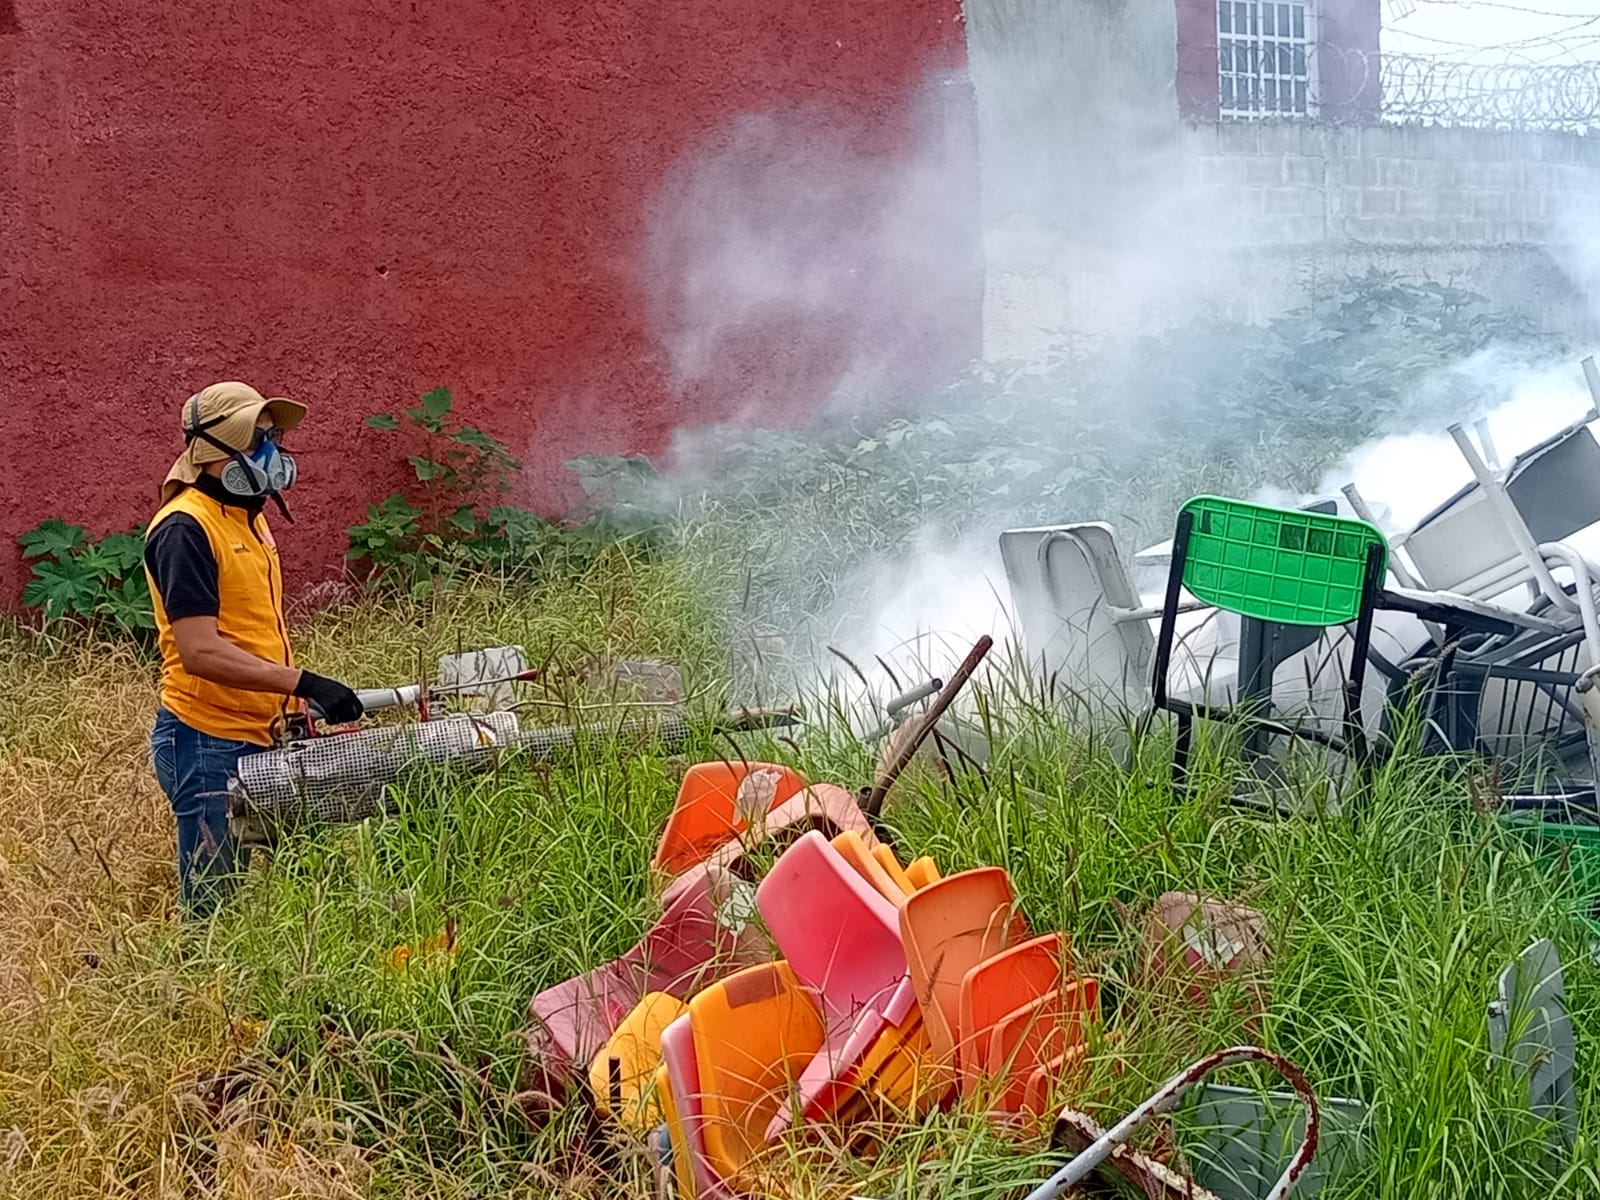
(682, 1164)
(1288, 565)
(947, 929)
(685, 1120)
(863, 859)
(621, 1074)
(825, 807)
(1039, 1091)
(896, 1072)
(892, 868)
(706, 814)
(841, 937)
(1001, 985)
(754, 1033)
(921, 872)
(838, 933)
(570, 1021)
(1036, 1033)
(1071, 591)
(688, 947)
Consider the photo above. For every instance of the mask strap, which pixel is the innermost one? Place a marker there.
(231, 451)
(198, 430)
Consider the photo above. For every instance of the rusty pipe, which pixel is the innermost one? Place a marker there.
(873, 804)
(1166, 1098)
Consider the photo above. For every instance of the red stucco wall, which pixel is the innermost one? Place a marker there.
(354, 200)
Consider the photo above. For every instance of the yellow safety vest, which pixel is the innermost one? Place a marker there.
(249, 614)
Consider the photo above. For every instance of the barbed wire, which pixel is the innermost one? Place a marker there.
(1553, 96)
(1354, 86)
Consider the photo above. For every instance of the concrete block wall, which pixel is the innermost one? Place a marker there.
(1295, 185)
(1255, 219)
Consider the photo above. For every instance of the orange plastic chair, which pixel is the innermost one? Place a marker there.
(1037, 1033)
(892, 868)
(1042, 1080)
(998, 986)
(862, 856)
(705, 814)
(1041, 1089)
(754, 1033)
(948, 928)
(841, 938)
(895, 1071)
(921, 873)
(825, 807)
(621, 1073)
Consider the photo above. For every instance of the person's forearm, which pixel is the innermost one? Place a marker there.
(220, 661)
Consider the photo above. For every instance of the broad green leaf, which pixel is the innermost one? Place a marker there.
(60, 588)
(464, 520)
(125, 551)
(470, 435)
(101, 565)
(51, 538)
(437, 402)
(425, 468)
(386, 422)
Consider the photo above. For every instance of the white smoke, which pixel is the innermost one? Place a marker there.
(769, 241)
(1410, 474)
(796, 249)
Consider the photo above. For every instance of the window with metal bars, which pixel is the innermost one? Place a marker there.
(1266, 63)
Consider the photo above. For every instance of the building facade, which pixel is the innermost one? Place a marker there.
(539, 205)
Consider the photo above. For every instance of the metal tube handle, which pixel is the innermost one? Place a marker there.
(906, 699)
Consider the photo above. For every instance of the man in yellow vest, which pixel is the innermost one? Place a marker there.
(228, 677)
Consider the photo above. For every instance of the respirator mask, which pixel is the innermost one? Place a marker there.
(254, 474)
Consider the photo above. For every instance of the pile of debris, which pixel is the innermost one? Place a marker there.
(1314, 625)
(839, 987)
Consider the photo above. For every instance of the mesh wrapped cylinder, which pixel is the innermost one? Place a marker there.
(344, 778)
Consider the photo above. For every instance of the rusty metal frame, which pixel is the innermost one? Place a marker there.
(1166, 1098)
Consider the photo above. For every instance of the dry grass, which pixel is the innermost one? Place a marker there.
(115, 1023)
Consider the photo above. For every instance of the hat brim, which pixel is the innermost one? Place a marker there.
(285, 412)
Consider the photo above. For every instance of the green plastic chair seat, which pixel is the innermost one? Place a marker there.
(1275, 564)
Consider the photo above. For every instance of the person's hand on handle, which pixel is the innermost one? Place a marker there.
(335, 702)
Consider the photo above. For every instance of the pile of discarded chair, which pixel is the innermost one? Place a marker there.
(1484, 613)
(865, 986)
(801, 975)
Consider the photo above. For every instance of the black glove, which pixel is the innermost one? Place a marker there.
(336, 703)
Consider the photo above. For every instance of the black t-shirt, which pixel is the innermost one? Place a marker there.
(179, 556)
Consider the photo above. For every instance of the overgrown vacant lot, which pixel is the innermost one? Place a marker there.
(288, 1050)
(283, 1051)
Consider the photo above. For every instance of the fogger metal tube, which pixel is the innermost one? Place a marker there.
(906, 699)
(344, 777)
(374, 699)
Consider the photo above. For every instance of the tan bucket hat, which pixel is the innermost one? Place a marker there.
(228, 412)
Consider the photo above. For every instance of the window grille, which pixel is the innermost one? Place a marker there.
(1266, 60)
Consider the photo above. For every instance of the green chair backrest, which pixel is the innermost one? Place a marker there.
(1278, 564)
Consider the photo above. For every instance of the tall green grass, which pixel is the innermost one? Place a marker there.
(1388, 926)
(326, 1068)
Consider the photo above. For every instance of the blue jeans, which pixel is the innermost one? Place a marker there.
(192, 769)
